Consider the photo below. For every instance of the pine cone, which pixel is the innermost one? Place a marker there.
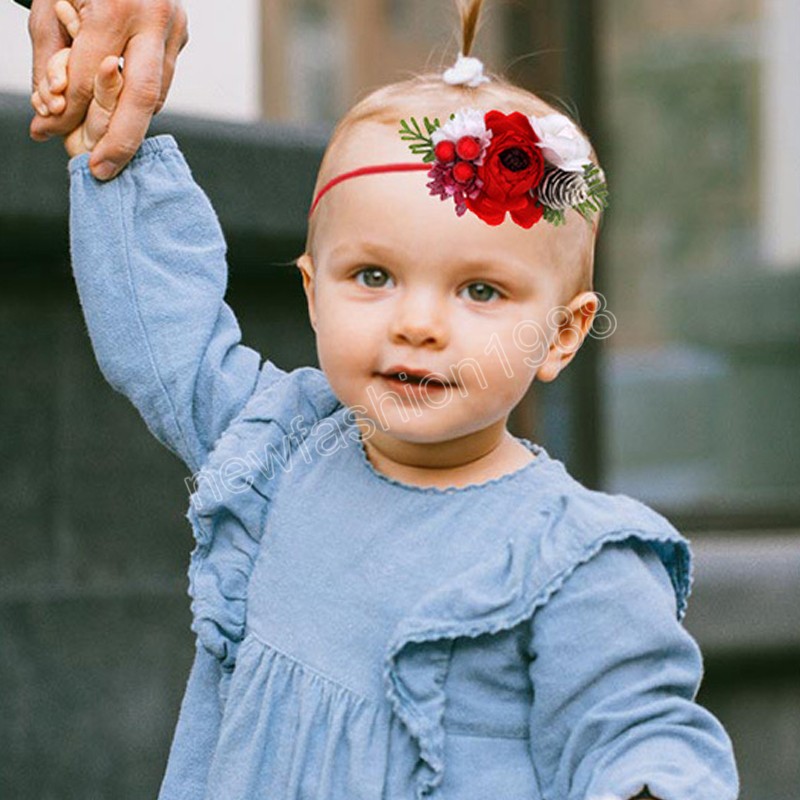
(562, 190)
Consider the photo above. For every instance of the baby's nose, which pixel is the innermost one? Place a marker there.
(420, 318)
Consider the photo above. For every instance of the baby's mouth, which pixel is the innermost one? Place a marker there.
(404, 377)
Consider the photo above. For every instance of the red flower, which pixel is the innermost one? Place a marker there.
(513, 165)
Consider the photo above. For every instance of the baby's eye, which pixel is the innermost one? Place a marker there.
(484, 292)
(371, 274)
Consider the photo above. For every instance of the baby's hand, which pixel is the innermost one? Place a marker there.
(107, 87)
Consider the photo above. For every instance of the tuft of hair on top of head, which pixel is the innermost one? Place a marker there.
(428, 94)
(470, 12)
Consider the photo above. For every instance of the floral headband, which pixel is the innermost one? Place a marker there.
(492, 163)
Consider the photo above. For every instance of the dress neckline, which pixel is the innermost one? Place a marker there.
(541, 456)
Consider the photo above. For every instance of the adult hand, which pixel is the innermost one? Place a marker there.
(149, 33)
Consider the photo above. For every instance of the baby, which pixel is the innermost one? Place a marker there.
(418, 604)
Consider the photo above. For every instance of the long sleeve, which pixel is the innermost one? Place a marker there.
(148, 257)
(614, 676)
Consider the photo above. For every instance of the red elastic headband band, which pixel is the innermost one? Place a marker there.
(405, 167)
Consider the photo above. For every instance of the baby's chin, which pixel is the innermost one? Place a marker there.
(427, 427)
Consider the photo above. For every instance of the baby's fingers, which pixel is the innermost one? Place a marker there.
(107, 88)
(108, 83)
(39, 106)
(56, 70)
(53, 81)
(74, 144)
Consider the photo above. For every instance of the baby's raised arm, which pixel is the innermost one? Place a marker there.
(148, 257)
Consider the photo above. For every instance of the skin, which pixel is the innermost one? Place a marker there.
(416, 302)
(149, 33)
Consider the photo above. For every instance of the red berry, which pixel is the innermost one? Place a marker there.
(468, 148)
(445, 151)
(463, 172)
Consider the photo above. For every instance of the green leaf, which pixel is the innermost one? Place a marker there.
(431, 126)
(421, 144)
(597, 191)
(553, 215)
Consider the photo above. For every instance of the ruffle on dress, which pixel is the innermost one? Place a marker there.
(233, 491)
(503, 591)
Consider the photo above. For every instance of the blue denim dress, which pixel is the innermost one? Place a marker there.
(359, 638)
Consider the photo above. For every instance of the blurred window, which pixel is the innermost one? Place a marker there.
(701, 255)
(315, 55)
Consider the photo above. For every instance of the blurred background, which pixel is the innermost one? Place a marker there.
(690, 403)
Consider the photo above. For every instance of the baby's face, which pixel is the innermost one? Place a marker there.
(401, 281)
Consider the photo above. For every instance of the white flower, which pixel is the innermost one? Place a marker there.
(466, 122)
(466, 70)
(561, 142)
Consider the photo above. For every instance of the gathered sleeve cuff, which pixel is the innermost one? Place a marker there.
(615, 676)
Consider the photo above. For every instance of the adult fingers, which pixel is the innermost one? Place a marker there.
(144, 58)
(107, 86)
(101, 34)
(47, 37)
(178, 39)
(67, 15)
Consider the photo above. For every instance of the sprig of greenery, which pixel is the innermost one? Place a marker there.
(553, 215)
(598, 193)
(422, 145)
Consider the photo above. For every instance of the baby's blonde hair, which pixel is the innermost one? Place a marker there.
(427, 94)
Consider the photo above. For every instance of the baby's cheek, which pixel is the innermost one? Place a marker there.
(337, 355)
(508, 377)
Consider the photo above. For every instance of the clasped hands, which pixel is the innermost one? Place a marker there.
(76, 84)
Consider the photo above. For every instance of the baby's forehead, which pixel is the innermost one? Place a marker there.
(397, 210)
(369, 142)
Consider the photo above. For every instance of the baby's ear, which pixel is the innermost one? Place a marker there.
(305, 263)
(575, 321)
